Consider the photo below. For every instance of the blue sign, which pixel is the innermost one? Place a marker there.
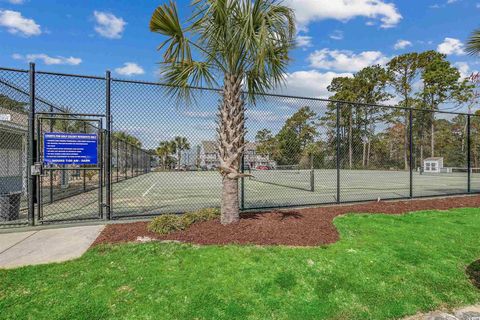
(70, 148)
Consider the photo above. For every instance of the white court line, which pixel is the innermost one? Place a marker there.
(149, 189)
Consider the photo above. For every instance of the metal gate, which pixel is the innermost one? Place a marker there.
(70, 169)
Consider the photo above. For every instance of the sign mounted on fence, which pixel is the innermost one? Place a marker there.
(70, 148)
(5, 117)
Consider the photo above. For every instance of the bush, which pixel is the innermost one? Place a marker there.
(201, 215)
(168, 223)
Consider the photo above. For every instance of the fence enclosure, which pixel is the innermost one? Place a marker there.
(300, 151)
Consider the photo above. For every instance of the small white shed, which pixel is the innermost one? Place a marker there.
(434, 164)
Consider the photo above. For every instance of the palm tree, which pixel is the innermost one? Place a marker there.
(473, 43)
(165, 149)
(181, 144)
(128, 138)
(245, 43)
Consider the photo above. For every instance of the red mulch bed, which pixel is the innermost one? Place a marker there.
(298, 227)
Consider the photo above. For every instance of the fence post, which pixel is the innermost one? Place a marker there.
(101, 171)
(84, 172)
(338, 150)
(108, 142)
(51, 171)
(126, 159)
(31, 146)
(131, 160)
(118, 159)
(410, 146)
(469, 163)
(312, 175)
(242, 184)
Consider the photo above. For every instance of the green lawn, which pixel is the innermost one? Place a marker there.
(384, 267)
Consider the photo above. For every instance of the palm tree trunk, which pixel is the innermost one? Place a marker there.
(231, 134)
(230, 205)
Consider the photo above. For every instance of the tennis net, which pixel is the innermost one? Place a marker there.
(453, 171)
(289, 176)
(462, 170)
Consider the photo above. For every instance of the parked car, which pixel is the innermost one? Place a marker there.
(262, 168)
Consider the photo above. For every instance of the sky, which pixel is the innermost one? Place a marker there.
(334, 37)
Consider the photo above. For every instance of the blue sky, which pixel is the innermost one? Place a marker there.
(335, 37)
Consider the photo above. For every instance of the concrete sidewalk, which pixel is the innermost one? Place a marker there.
(47, 245)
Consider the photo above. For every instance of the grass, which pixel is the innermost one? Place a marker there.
(384, 267)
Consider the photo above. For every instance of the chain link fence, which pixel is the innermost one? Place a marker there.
(157, 154)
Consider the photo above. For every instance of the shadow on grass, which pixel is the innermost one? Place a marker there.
(473, 272)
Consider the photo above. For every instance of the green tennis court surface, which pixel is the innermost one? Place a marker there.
(171, 192)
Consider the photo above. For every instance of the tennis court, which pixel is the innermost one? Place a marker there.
(173, 192)
(135, 150)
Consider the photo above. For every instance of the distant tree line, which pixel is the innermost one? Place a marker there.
(378, 137)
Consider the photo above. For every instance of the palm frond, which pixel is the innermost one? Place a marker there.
(165, 21)
(473, 43)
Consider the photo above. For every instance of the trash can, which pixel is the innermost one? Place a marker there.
(10, 206)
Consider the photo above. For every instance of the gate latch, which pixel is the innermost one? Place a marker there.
(36, 169)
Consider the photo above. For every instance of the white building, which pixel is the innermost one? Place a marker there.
(209, 157)
(433, 165)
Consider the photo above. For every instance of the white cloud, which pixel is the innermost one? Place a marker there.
(304, 41)
(108, 25)
(402, 44)
(18, 24)
(307, 11)
(130, 69)
(264, 116)
(199, 114)
(344, 60)
(464, 69)
(16, 1)
(309, 83)
(48, 60)
(451, 46)
(336, 35)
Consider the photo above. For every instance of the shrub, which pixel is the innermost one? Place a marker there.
(167, 223)
(201, 215)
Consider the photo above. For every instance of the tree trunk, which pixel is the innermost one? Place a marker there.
(369, 145)
(230, 205)
(364, 153)
(421, 157)
(179, 159)
(231, 137)
(432, 138)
